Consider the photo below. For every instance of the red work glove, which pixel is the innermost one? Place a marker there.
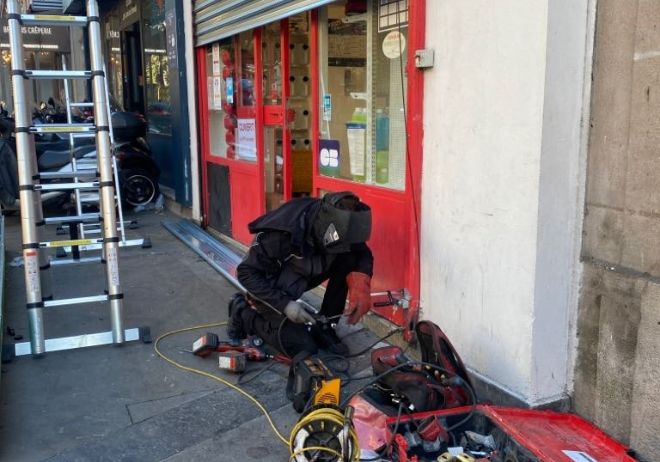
(359, 296)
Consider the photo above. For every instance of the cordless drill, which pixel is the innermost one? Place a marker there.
(210, 343)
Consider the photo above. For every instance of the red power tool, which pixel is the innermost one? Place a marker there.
(210, 343)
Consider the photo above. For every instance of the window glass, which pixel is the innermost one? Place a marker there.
(221, 114)
(362, 52)
(113, 44)
(231, 98)
(245, 99)
(156, 75)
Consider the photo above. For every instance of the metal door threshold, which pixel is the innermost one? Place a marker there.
(217, 254)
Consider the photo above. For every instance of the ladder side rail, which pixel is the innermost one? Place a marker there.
(72, 146)
(115, 170)
(114, 160)
(104, 161)
(25, 157)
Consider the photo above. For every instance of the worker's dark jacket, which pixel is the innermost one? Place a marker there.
(283, 262)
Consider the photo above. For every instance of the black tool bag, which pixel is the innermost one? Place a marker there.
(418, 387)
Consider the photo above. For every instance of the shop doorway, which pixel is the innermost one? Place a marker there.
(287, 146)
(258, 129)
(132, 69)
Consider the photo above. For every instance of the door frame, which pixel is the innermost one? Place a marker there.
(407, 201)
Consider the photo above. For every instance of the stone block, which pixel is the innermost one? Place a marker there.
(617, 341)
(603, 234)
(648, 26)
(608, 319)
(613, 76)
(641, 244)
(643, 165)
(586, 370)
(645, 421)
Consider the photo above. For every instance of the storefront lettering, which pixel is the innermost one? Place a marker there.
(34, 30)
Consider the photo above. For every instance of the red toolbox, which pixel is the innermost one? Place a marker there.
(423, 411)
(520, 435)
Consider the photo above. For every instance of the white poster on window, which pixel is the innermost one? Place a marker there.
(215, 55)
(217, 93)
(246, 139)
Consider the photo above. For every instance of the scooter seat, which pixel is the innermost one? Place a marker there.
(50, 160)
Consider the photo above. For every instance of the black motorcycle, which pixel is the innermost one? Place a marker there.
(137, 171)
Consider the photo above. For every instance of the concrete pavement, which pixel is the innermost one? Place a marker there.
(126, 403)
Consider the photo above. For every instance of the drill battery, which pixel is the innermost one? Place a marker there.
(232, 361)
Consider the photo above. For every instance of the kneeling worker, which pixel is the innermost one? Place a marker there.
(298, 246)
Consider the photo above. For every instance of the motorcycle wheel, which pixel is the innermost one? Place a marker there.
(138, 188)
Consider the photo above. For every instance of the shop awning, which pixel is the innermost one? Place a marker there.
(217, 19)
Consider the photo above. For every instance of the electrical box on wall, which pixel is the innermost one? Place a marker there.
(424, 58)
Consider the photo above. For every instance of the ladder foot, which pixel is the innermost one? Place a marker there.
(146, 243)
(145, 334)
(60, 253)
(8, 353)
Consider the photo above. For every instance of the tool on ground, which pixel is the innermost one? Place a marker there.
(307, 375)
(36, 261)
(324, 433)
(210, 343)
(232, 361)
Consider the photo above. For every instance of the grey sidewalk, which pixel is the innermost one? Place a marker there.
(125, 403)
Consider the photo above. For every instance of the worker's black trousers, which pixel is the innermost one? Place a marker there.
(290, 338)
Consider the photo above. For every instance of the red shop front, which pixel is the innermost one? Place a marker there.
(299, 98)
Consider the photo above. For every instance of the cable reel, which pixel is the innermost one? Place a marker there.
(324, 434)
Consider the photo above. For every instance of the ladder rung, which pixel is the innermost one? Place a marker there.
(58, 74)
(65, 186)
(83, 135)
(75, 301)
(69, 243)
(63, 128)
(81, 104)
(71, 261)
(53, 20)
(74, 218)
(127, 243)
(86, 173)
(81, 341)
(98, 230)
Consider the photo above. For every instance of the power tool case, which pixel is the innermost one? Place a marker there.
(416, 415)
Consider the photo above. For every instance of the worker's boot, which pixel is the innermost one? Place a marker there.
(235, 327)
(327, 339)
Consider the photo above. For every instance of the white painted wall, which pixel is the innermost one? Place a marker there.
(191, 76)
(561, 197)
(488, 219)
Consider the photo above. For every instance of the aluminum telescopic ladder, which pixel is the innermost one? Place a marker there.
(82, 199)
(35, 259)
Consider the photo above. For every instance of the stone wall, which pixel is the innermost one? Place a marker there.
(617, 373)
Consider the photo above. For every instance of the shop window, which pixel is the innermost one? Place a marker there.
(231, 98)
(246, 123)
(362, 54)
(113, 51)
(156, 69)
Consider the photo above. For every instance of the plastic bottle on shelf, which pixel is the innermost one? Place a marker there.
(357, 134)
(382, 146)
